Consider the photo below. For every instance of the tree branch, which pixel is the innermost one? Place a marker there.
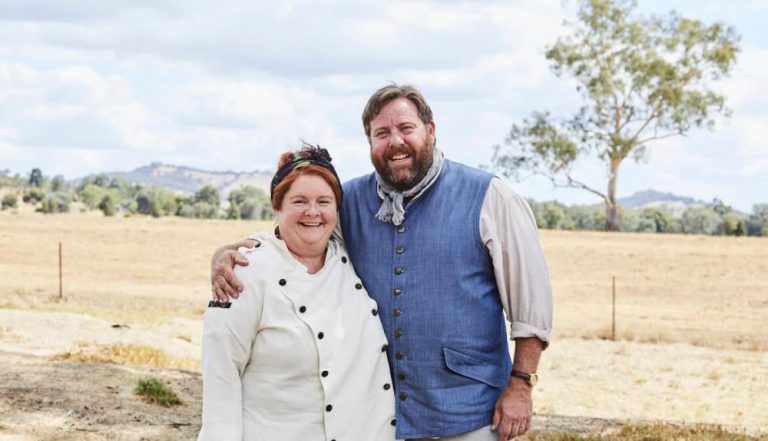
(657, 137)
(574, 183)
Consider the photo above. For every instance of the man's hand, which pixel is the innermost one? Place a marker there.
(514, 410)
(224, 283)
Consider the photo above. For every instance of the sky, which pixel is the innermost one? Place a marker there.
(88, 86)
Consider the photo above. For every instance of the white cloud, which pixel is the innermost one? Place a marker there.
(70, 106)
(91, 86)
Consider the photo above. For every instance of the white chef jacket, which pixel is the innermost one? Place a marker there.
(297, 356)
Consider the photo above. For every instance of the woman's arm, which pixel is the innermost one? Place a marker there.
(228, 334)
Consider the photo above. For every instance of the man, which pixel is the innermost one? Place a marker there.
(445, 250)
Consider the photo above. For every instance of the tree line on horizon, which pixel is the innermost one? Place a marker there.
(116, 196)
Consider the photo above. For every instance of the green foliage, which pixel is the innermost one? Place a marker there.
(200, 210)
(733, 224)
(10, 200)
(641, 79)
(156, 202)
(209, 195)
(249, 203)
(33, 196)
(59, 184)
(757, 224)
(11, 181)
(233, 212)
(552, 216)
(101, 180)
(56, 203)
(91, 195)
(203, 205)
(654, 220)
(107, 205)
(701, 220)
(695, 220)
(155, 391)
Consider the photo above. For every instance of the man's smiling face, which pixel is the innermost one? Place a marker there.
(401, 144)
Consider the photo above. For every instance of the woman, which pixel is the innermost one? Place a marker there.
(300, 355)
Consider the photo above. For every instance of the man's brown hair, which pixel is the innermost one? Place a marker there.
(389, 93)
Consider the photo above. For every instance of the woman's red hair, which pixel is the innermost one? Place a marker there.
(278, 194)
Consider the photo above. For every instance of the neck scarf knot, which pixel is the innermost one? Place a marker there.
(392, 208)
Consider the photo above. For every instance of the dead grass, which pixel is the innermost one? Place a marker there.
(126, 354)
(708, 291)
(650, 432)
(137, 269)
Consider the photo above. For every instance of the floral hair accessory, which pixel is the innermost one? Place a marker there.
(307, 155)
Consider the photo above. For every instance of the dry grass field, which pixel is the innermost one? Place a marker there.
(690, 313)
(709, 291)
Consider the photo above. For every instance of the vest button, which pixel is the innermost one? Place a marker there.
(328, 408)
(397, 291)
(320, 335)
(374, 312)
(399, 270)
(384, 348)
(324, 373)
(396, 312)
(302, 309)
(403, 396)
(399, 355)
(399, 250)
(343, 259)
(282, 282)
(393, 422)
(387, 386)
(358, 285)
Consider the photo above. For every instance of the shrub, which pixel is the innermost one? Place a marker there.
(200, 210)
(701, 220)
(33, 196)
(56, 203)
(11, 200)
(155, 391)
(208, 194)
(107, 205)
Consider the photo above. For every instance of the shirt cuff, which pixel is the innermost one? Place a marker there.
(524, 330)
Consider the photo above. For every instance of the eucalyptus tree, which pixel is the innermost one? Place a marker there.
(641, 79)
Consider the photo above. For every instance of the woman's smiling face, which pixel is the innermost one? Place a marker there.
(308, 215)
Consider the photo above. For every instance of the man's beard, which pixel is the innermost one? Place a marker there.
(403, 180)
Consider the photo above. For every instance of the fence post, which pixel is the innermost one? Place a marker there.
(613, 318)
(61, 283)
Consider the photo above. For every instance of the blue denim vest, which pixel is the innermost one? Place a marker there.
(434, 283)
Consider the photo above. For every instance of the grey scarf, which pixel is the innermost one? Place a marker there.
(392, 209)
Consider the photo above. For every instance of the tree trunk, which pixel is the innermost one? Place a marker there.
(612, 210)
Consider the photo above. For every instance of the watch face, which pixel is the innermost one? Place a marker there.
(534, 379)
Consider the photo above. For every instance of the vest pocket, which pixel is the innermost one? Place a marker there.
(470, 366)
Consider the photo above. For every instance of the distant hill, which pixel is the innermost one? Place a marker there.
(656, 199)
(188, 180)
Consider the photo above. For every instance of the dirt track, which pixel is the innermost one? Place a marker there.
(63, 401)
(43, 400)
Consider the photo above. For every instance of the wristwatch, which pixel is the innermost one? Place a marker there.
(531, 379)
